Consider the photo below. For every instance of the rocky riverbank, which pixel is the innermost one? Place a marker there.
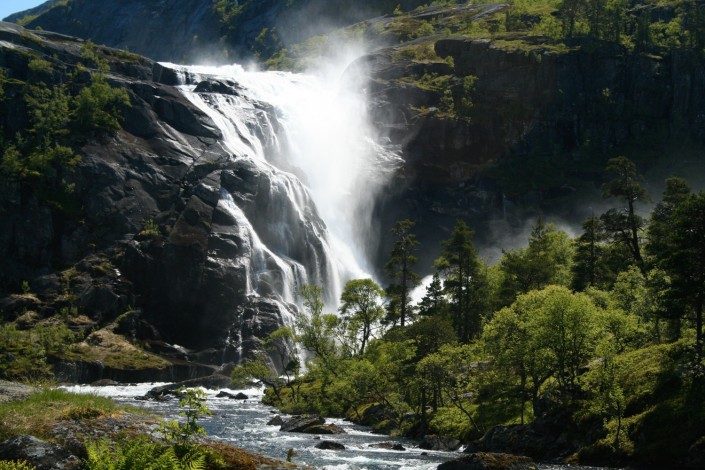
(62, 441)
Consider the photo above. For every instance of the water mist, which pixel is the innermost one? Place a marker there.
(310, 133)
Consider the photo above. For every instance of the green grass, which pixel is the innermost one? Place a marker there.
(113, 351)
(37, 413)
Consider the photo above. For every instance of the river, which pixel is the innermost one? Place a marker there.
(244, 424)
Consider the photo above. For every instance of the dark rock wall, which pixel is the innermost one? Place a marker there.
(542, 126)
(187, 30)
(190, 31)
(167, 165)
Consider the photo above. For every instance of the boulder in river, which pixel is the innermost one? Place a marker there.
(330, 445)
(301, 423)
(276, 421)
(214, 381)
(433, 442)
(387, 445)
(324, 429)
(238, 396)
(489, 461)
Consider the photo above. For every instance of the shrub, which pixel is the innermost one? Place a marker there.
(15, 465)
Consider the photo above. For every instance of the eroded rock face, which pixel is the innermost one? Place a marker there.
(540, 130)
(163, 222)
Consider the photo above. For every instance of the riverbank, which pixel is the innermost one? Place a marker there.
(49, 429)
(244, 423)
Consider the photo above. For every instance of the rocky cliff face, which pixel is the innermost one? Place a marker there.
(192, 31)
(152, 228)
(542, 125)
(185, 28)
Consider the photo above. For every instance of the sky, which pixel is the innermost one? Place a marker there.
(8, 7)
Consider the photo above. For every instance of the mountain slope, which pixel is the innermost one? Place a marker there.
(134, 225)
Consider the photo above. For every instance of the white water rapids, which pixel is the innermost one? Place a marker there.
(243, 423)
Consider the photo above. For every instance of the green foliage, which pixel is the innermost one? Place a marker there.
(149, 230)
(37, 413)
(361, 311)
(193, 407)
(140, 453)
(547, 260)
(92, 58)
(98, 107)
(24, 353)
(684, 261)
(597, 354)
(547, 334)
(314, 330)
(465, 281)
(15, 465)
(42, 155)
(399, 269)
(452, 372)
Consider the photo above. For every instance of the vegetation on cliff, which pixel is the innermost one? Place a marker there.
(601, 333)
(40, 151)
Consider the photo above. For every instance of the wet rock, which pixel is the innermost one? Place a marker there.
(324, 429)
(42, 455)
(433, 442)
(375, 414)
(238, 396)
(104, 383)
(388, 445)
(223, 87)
(212, 382)
(276, 421)
(489, 461)
(330, 445)
(301, 423)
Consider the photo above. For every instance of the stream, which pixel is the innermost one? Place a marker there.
(244, 424)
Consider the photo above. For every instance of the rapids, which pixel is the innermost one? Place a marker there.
(244, 424)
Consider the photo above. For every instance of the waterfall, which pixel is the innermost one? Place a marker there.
(320, 167)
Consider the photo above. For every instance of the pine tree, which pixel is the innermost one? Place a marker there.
(589, 268)
(625, 224)
(399, 268)
(465, 281)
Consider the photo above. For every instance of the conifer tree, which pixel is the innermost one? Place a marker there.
(465, 281)
(589, 268)
(399, 268)
(624, 224)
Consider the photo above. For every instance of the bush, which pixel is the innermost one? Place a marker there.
(140, 453)
(15, 465)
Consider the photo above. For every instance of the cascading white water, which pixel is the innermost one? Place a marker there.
(312, 139)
